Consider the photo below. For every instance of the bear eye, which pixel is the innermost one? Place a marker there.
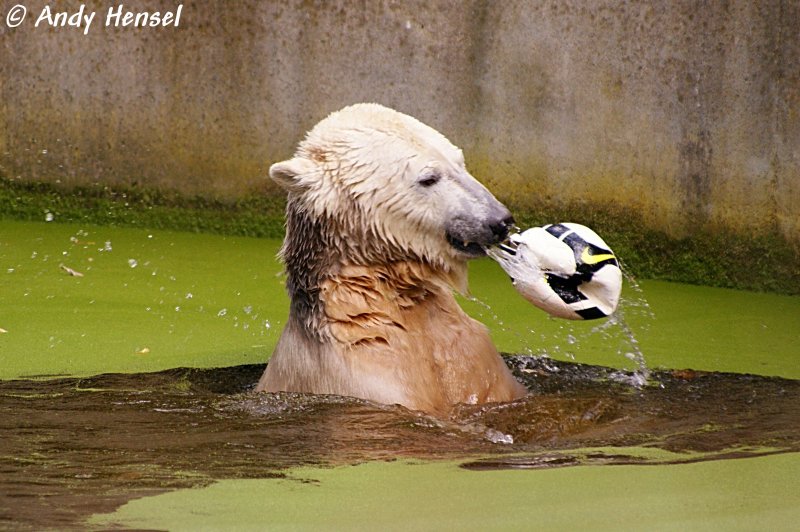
(429, 180)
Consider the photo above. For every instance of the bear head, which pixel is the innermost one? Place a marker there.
(370, 185)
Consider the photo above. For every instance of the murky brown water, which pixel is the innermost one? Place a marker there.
(73, 447)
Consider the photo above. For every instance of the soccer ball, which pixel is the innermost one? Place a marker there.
(565, 269)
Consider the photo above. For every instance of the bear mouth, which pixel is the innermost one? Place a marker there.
(473, 249)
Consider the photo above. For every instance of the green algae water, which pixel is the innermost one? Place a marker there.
(82, 301)
(128, 356)
(743, 495)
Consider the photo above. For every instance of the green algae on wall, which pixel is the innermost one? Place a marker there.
(257, 215)
(762, 261)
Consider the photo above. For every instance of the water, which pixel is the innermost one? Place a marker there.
(85, 444)
(74, 447)
(102, 294)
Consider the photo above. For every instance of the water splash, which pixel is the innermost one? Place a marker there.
(614, 331)
(488, 308)
(637, 306)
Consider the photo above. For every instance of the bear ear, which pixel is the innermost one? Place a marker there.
(289, 174)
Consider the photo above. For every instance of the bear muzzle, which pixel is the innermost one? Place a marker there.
(471, 237)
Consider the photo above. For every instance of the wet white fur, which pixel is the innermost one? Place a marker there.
(376, 317)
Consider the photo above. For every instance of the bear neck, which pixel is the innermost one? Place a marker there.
(318, 249)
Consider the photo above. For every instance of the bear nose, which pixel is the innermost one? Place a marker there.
(500, 228)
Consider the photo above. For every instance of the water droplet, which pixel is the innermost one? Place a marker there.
(495, 436)
(571, 339)
(222, 312)
(248, 309)
(107, 246)
(189, 295)
(267, 324)
(33, 255)
(48, 217)
(132, 263)
(177, 309)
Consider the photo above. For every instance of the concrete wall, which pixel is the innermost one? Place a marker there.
(685, 112)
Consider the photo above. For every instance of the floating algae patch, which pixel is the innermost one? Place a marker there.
(82, 300)
(756, 494)
(67, 452)
(150, 300)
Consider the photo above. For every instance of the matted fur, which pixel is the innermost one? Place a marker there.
(371, 274)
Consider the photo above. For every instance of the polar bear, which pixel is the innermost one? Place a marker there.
(381, 219)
